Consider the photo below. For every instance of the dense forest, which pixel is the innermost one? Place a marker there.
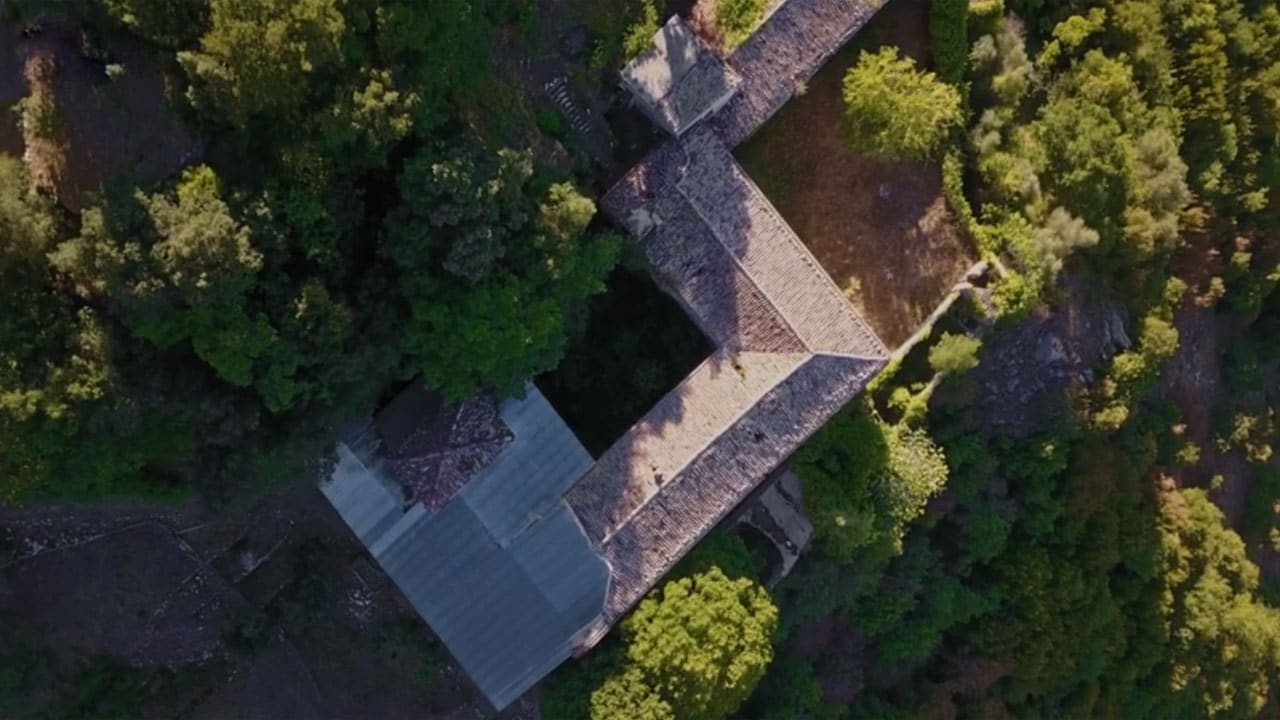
(358, 220)
(367, 206)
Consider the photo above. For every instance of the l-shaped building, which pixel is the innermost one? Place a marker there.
(517, 547)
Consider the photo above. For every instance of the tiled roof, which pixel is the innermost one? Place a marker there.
(543, 551)
(788, 49)
(679, 80)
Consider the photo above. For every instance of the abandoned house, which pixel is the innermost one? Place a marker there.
(516, 546)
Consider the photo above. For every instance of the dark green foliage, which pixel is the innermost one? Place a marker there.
(949, 38)
(169, 23)
(637, 345)
(725, 551)
(349, 230)
(1261, 524)
(866, 481)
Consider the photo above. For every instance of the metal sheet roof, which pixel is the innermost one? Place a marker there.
(503, 572)
(369, 504)
(543, 461)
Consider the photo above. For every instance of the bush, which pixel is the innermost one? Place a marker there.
(955, 354)
(737, 19)
(639, 34)
(949, 38)
(894, 110)
(549, 123)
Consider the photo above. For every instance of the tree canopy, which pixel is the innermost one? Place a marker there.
(896, 111)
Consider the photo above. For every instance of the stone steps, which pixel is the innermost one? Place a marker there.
(579, 118)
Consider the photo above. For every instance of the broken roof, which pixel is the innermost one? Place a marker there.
(679, 80)
(502, 572)
(544, 551)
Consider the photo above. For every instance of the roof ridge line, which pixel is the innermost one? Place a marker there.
(804, 357)
(686, 547)
(793, 239)
(854, 356)
(812, 262)
(733, 258)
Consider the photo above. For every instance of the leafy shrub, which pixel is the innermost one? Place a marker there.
(895, 111)
(955, 353)
(640, 32)
(549, 123)
(949, 38)
(737, 19)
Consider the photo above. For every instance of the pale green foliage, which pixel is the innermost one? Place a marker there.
(1253, 433)
(1062, 235)
(895, 111)
(627, 696)
(1003, 56)
(1225, 644)
(955, 353)
(702, 643)
(258, 55)
(1152, 223)
(639, 34)
(375, 115)
(737, 19)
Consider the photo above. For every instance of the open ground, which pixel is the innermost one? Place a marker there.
(882, 230)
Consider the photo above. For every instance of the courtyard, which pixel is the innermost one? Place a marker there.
(881, 229)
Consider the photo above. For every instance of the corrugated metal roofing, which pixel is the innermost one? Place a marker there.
(368, 504)
(543, 461)
(503, 572)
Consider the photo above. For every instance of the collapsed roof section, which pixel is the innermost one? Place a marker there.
(538, 555)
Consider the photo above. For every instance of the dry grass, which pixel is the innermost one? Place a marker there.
(881, 229)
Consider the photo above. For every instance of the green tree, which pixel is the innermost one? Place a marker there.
(628, 696)
(1225, 644)
(895, 111)
(702, 643)
(866, 481)
(519, 267)
(54, 355)
(258, 56)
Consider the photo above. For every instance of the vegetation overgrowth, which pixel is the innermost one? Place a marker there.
(365, 210)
